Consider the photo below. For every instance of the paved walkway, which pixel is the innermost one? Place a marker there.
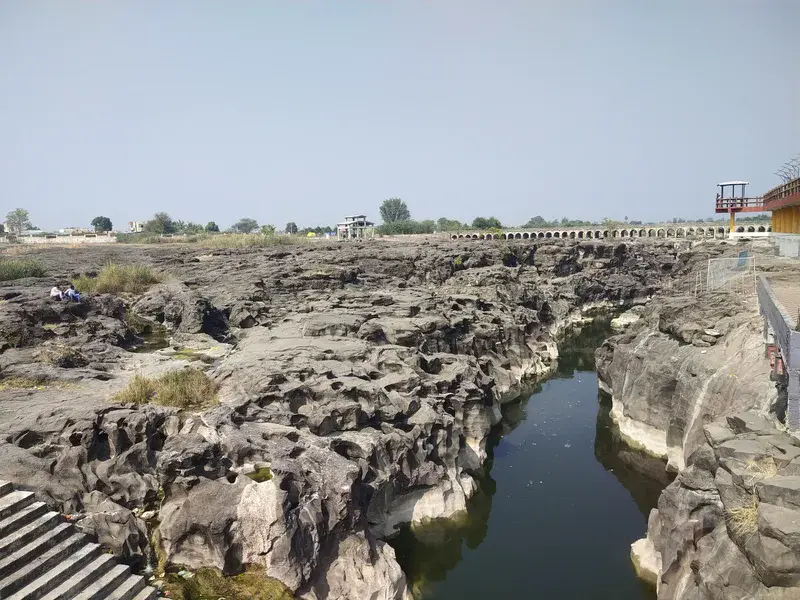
(787, 290)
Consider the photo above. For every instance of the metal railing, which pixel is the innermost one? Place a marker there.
(734, 203)
(785, 337)
(788, 342)
(782, 191)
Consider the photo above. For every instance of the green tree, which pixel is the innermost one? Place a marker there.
(160, 223)
(291, 227)
(18, 220)
(486, 223)
(445, 224)
(406, 227)
(2, 229)
(610, 223)
(245, 225)
(102, 224)
(193, 228)
(537, 221)
(212, 227)
(394, 209)
(268, 229)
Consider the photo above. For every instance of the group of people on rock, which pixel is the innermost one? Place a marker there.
(69, 294)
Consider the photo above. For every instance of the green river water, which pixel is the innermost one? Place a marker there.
(559, 504)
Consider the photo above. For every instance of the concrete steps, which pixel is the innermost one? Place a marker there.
(42, 557)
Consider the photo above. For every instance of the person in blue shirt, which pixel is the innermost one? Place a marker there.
(72, 294)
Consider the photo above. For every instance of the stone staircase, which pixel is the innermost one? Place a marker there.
(43, 557)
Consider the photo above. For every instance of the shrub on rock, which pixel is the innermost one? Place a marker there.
(189, 389)
(114, 279)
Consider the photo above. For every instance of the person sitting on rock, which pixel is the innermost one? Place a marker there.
(72, 293)
(56, 294)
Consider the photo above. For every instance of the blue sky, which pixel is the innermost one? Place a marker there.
(306, 111)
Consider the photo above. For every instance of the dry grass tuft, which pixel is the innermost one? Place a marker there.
(114, 279)
(244, 240)
(743, 521)
(21, 383)
(190, 389)
(764, 468)
(61, 355)
(253, 584)
(17, 268)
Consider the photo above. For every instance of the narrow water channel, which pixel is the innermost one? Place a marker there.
(560, 503)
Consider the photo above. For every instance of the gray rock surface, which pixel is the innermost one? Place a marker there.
(665, 386)
(366, 376)
(728, 527)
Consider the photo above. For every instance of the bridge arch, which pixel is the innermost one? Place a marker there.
(572, 235)
(680, 232)
(740, 229)
(580, 235)
(751, 229)
(761, 229)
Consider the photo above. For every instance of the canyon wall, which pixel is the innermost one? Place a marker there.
(358, 384)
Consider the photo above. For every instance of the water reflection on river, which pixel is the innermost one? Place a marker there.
(558, 506)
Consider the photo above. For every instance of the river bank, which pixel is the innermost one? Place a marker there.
(555, 498)
(690, 383)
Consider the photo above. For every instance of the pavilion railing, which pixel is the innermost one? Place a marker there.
(727, 203)
(782, 191)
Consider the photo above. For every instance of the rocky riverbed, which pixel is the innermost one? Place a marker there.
(690, 383)
(358, 383)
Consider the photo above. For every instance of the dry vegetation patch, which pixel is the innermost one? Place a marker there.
(245, 240)
(210, 584)
(743, 520)
(18, 268)
(113, 279)
(190, 389)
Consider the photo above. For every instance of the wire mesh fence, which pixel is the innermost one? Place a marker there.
(732, 274)
(720, 275)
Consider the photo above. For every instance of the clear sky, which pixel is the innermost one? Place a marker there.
(307, 110)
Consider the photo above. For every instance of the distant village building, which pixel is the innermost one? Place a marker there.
(136, 226)
(355, 226)
(71, 230)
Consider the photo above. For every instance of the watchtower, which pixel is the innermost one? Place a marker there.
(732, 203)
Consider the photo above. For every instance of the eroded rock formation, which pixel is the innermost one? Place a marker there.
(684, 363)
(366, 378)
(728, 527)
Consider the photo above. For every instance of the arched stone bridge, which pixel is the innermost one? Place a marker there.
(645, 231)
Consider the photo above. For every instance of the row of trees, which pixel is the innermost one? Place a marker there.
(394, 212)
(162, 223)
(19, 221)
(397, 219)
